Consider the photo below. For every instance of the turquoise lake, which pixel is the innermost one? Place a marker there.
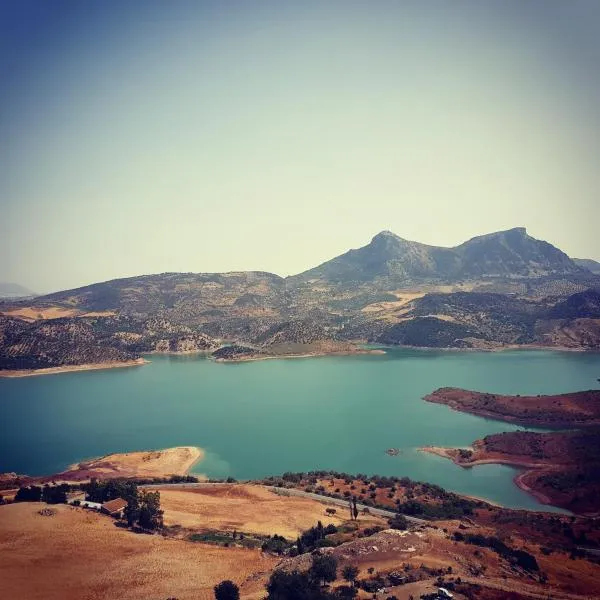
(267, 417)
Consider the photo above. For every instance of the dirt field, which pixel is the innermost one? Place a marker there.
(245, 508)
(30, 313)
(153, 463)
(79, 555)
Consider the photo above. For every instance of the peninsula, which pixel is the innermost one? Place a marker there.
(575, 409)
(562, 468)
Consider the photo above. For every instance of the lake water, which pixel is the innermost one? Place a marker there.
(267, 417)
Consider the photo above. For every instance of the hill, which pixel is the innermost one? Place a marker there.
(575, 409)
(504, 288)
(391, 260)
(14, 290)
(588, 263)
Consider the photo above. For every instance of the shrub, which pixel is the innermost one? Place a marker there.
(227, 590)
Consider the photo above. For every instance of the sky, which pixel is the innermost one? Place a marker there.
(145, 137)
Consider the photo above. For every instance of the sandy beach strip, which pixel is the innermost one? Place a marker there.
(143, 464)
(72, 368)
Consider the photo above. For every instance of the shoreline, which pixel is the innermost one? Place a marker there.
(512, 420)
(253, 358)
(498, 348)
(539, 496)
(567, 415)
(450, 455)
(16, 373)
(382, 349)
(527, 469)
(138, 464)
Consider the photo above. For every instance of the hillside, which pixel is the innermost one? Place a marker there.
(14, 290)
(562, 468)
(588, 263)
(391, 260)
(575, 409)
(227, 531)
(500, 289)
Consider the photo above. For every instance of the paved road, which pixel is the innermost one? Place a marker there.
(293, 492)
(338, 502)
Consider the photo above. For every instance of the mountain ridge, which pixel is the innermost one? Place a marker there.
(14, 290)
(497, 290)
(511, 253)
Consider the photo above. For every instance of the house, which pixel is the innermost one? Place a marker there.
(115, 507)
(85, 504)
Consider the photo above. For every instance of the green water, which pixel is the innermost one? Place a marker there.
(268, 417)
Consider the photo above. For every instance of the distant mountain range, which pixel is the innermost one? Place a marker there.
(588, 263)
(14, 290)
(504, 288)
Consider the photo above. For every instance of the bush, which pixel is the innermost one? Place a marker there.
(29, 494)
(227, 590)
(399, 522)
(324, 568)
(276, 545)
(55, 494)
(520, 558)
(350, 572)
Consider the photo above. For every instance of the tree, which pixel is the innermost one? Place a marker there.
(103, 491)
(132, 511)
(399, 521)
(29, 494)
(346, 592)
(324, 568)
(227, 590)
(150, 515)
(354, 508)
(350, 573)
(55, 494)
(295, 586)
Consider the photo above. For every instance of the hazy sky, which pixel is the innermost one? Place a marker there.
(142, 137)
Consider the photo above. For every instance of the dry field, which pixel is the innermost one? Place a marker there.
(245, 508)
(79, 555)
(31, 313)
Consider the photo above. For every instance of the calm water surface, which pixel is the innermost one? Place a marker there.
(267, 417)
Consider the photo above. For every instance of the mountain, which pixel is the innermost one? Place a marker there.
(589, 264)
(513, 253)
(187, 297)
(504, 288)
(578, 306)
(391, 260)
(14, 290)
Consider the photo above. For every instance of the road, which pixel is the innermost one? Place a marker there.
(293, 492)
